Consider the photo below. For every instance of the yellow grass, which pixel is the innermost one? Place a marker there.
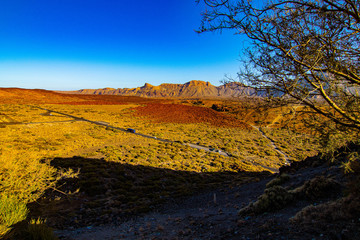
(25, 150)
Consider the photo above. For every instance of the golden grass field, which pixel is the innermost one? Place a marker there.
(32, 138)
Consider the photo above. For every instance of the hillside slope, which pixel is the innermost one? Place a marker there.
(40, 96)
(25, 96)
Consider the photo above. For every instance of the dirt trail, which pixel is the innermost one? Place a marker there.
(273, 145)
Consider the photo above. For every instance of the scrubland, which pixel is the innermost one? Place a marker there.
(32, 138)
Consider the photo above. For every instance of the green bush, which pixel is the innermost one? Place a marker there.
(11, 212)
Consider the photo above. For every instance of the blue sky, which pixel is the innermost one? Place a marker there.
(73, 44)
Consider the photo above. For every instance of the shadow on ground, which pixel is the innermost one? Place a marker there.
(109, 192)
(113, 198)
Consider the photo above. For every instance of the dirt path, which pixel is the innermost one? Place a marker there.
(208, 149)
(273, 145)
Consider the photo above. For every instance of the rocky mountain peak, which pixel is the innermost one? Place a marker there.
(148, 85)
(195, 83)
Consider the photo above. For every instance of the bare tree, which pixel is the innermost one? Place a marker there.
(304, 51)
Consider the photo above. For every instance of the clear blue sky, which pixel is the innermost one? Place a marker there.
(74, 44)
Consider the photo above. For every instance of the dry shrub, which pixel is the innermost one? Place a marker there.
(280, 179)
(318, 187)
(346, 208)
(24, 176)
(274, 198)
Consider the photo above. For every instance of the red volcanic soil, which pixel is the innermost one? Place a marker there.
(106, 100)
(39, 96)
(176, 113)
(26, 96)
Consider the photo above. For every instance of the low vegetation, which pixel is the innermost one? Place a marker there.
(132, 173)
(296, 145)
(276, 197)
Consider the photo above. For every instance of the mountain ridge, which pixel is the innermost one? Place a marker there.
(192, 89)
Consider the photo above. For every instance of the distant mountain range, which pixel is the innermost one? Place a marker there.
(192, 89)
